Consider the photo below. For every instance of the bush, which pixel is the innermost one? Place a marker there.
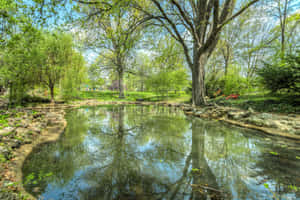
(232, 83)
(282, 75)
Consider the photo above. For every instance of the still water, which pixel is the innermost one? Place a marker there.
(150, 152)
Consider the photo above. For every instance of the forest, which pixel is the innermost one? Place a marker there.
(230, 61)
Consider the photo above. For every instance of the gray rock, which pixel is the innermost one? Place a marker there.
(4, 151)
(198, 113)
(266, 116)
(238, 115)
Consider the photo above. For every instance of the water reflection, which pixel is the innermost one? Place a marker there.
(138, 152)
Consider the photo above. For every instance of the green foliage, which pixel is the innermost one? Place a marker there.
(36, 58)
(56, 56)
(274, 153)
(74, 75)
(20, 59)
(232, 83)
(282, 74)
(279, 103)
(166, 81)
(168, 69)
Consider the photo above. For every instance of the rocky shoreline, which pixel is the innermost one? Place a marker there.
(28, 127)
(25, 129)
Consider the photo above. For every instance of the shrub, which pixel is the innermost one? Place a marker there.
(283, 74)
(232, 83)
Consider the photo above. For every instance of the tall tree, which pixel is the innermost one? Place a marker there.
(114, 33)
(195, 23)
(57, 51)
(281, 9)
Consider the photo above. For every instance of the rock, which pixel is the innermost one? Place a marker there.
(250, 110)
(36, 189)
(188, 109)
(266, 116)
(54, 122)
(292, 115)
(4, 151)
(24, 123)
(291, 123)
(37, 115)
(198, 113)
(21, 131)
(255, 120)
(8, 195)
(238, 115)
(6, 131)
(15, 144)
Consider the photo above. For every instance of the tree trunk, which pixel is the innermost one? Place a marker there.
(52, 93)
(121, 84)
(198, 76)
(283, 39)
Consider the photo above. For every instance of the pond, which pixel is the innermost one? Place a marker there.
(153, 152)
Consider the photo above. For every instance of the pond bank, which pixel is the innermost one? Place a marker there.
(28, 127)
(25, 129)
(287, 126)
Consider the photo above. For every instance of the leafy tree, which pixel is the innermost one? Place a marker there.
(281, 9)
(195, 24)
(73, 76)
(114, 33)
(21, 55)
(56, 56)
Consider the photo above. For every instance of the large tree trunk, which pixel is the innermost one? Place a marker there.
(121, 84)
(198, 78)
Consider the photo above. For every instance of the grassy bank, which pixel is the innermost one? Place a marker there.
(279, 103)
(134, 96)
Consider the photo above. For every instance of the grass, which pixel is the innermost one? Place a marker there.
(134, 96)
(279, 103)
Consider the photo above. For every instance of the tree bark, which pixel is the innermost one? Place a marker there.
(198, 77)
(121, 84)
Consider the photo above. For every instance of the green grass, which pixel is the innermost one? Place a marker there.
(133, 96)
(279, 103)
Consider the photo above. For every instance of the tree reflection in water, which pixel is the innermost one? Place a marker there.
(138, 152)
